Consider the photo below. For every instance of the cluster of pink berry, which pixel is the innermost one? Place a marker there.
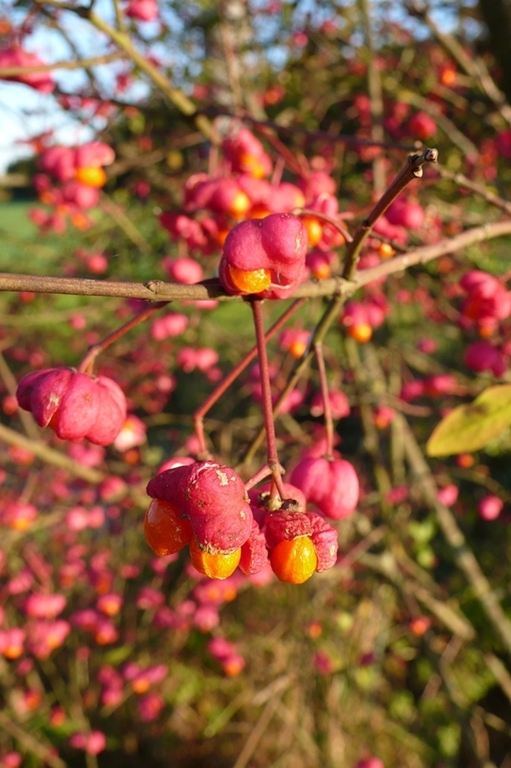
(398, 121)
(15, 56)
(204, 505)
(80, 174)
(360, 318)
(485, 305)
(431, 386)
(74, 404)
(264, 256)
(240, 190)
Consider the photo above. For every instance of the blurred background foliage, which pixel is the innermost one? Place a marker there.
(392, 653)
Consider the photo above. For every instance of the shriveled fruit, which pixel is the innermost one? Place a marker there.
(214, 565)
(295, 560)
(165, 532)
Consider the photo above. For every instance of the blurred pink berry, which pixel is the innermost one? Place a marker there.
(168, 326)
(322, 663)
(88, 455)
(18, 515)
(339, 404)
(150, 706)
(421, 125)
(21, 582)
(483, 356)
(503, 144)
(111, 696)
(109, 604)
(39, 606)
(142, 10)
(216, 593)
(105, 632)
(317, 183)
(405, 214)
(220, 648)
(11, 760)
(448, 495)
(246, 154)
(12, 642)
(149, 598)
(233, 665)
(420, 625)
(300, 39)
(131, 435)
(97, 263)
(370, 762)
(141, 679)
(383, 416)
(398, 494)
(428, 346)
(183, 270)
(78, 321)
(85, 619)
(112, 489)
(227, 655)
(81, 195)
(77, 519)
(203, 358)
(490, 507)
(45, 636)
(17, 57)
(93, 743)
(206, 618)
(295, 341)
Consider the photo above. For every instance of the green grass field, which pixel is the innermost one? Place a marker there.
(23, 248)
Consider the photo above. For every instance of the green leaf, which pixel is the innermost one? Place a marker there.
(470, 427)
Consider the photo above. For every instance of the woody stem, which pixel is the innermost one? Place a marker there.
(269, 425)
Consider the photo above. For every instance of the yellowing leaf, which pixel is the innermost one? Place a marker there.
(470, 427)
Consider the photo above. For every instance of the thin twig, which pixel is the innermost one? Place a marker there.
(125, 223)
(375, 94)
(475, 68)
(10, 383)
(28, 742)
(330, 138)
(124, 42)
(158, 290)
(51, 456)
(87, 364)
(258, 731)
(264, 377)
(411, 170)
(8, 72)
(462, 181)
